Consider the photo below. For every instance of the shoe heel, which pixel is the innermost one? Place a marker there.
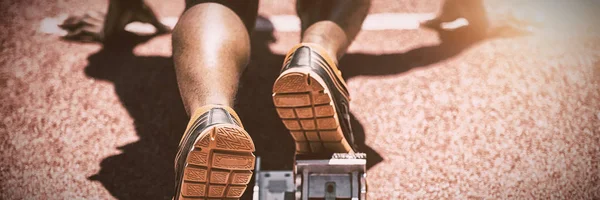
(219, 165)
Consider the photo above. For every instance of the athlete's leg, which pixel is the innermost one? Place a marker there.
(332, 25)
(211, 47)
(310, 95)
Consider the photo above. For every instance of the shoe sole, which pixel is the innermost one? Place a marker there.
(304, 104)
(219, 165)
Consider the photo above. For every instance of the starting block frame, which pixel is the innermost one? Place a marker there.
(333, 176)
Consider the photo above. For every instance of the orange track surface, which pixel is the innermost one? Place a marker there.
(502, 118)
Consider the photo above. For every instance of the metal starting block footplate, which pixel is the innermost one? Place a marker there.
(333, 176)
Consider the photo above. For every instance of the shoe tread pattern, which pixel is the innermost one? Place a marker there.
(307, 111)
(219, 165)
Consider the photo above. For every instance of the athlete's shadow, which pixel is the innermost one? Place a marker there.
(452, 43)
(147, 88)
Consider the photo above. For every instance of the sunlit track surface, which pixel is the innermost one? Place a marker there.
(504, 118)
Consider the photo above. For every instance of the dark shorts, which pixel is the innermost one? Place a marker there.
(247, 10)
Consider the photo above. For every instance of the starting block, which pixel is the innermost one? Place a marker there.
(333, 176)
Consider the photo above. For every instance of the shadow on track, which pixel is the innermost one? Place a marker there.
(147, 88)
(452, 43)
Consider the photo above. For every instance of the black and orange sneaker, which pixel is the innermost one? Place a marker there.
(312, 100)
(215, 157)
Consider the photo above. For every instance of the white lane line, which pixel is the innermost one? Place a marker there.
(49, 25)
(279, 23)
(460, 22)
(395, 21)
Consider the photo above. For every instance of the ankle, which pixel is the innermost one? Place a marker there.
(329, 37)
(193, 107)
(325, 47)
(206, 107)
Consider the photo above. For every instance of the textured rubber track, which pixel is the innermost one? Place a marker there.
(219, 165)
(304, 104)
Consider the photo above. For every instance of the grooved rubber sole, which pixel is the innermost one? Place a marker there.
(219, 165)
(304, 104)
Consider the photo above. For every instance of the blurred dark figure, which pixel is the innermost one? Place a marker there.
(100, 27)
(486, 19)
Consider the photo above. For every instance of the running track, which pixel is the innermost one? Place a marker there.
(502, 118)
